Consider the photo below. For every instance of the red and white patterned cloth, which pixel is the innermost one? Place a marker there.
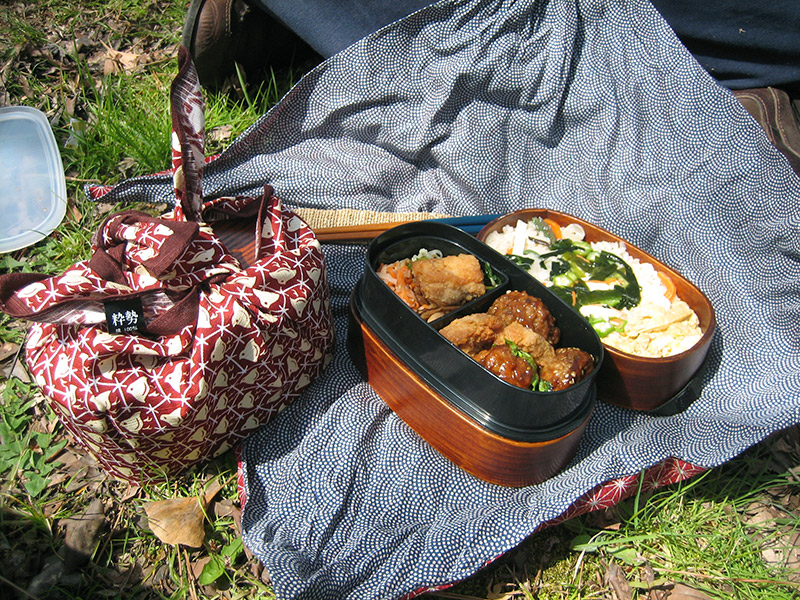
(149, 404)
(208, 349)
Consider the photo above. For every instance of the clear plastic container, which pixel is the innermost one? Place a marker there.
(33, 191)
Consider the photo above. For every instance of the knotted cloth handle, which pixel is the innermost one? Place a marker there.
(110, 244)
(109, 247)
(108, 262)
(188, 131)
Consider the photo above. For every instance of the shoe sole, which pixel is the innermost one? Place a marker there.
(190, 24)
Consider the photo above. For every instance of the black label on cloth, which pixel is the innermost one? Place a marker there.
(125, 315)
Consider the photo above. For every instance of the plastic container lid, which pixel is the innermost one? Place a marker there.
(33, 190)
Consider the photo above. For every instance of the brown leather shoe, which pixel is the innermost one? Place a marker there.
(773, 110)
(220, 34)
(208, 35)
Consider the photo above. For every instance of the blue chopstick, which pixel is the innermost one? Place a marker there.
(479, 220)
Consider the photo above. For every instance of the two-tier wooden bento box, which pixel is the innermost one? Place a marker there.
(498, 432)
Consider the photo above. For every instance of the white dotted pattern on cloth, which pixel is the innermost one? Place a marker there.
(481, 106)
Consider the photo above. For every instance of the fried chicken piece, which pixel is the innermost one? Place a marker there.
(473, 333)
(528, 340)
(526, 310)
(449, 281)
(507, 366)
(567, 367)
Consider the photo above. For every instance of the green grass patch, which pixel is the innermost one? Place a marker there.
(724, 533)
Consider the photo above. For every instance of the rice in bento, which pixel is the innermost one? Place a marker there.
(634, 308)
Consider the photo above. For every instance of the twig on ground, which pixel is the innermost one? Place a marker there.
(728, 579)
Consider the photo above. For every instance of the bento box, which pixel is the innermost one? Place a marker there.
(495, 430)
(655, 354)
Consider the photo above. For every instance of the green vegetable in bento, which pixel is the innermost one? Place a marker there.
(537, 384)
(543, 228)
(524, 261)
(604, 327)
(491, 280)
(572, 264)
(577, 263)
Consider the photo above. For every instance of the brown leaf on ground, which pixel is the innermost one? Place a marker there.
(656, 591)
(498, 591)
(783, 552)
(115, 61)
(85, 474)
(7, 350)
(225, 508)
(198, 565)
(761, 514)
(129, 490)
(779, 541)
(684, 592)
(181, 521)
(220, 134)
(103, 208)
(178, 521)
(16, 368)
(615, 578)
(82, 534)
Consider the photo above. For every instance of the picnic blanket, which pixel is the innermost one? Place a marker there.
(485, 106)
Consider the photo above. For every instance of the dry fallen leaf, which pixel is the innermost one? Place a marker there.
(16, 368)
(783, 551)
(684, 592)
(181, 521)
(762, 514)
(8, 349)
(178, 521)
(116, 61)
(82, 535)
(198, 565)
(498, 592)
(220, 134)
(616, 579)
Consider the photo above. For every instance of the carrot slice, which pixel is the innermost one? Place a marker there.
(668, 283)
(555, 227)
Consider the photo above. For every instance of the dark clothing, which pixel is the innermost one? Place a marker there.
(741, 44)
(329, 26)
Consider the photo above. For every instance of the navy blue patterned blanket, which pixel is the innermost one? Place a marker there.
(484, 106)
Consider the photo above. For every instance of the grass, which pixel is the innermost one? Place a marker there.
(729, 533)
(701, 533)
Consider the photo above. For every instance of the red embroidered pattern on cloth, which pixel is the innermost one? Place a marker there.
(260, 336)
(223, 345)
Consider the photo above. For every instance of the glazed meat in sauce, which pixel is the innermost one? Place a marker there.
(526, 310)
(525, 321)
(568, 367)
(506, 365)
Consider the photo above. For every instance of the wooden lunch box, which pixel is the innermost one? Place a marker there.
(494, 430)
(661, 386)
